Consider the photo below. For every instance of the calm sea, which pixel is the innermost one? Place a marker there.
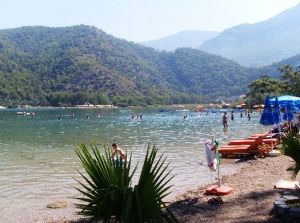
(38, 163)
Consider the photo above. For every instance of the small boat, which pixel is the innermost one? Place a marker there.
(25, 113)
(22, 113)
(182, 110)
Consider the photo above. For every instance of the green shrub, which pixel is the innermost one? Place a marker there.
(291, 147)
(108, 194)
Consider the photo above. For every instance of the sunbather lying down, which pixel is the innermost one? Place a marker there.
(280, 130)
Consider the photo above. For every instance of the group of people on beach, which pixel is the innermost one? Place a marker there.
(225, 118)
(281, 129)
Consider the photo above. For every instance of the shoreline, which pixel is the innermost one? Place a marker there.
(192, 106)
(41, 213)
(252, 197)
(228, 168)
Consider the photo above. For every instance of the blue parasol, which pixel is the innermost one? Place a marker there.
(287, 100)
(267, 116)
(288, 115)
(276, 111)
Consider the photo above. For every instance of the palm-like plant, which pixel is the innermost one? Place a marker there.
(291, 147)
(109, 195)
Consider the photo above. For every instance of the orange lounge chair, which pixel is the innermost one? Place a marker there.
(234, 150)
(252, 148)
(263, 134)
(250, 141)
(266, 135)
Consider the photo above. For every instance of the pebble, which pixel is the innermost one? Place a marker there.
(58, 204)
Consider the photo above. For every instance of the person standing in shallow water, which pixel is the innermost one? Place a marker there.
(232, 116)
(118, 151)
(225, 120)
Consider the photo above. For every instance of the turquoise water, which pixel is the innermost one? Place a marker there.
(38, 163)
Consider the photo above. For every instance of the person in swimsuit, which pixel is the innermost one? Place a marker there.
(118, 151)
(225, 120)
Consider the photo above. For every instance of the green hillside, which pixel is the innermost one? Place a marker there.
(273, 70)
(79, 64)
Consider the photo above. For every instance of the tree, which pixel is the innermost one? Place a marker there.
(259, 89)
(291, 78)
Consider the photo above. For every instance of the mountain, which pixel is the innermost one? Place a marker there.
(273, 70)
(79, 64)
(188, 38)
(261, 43)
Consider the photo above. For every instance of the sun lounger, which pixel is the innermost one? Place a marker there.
(250, 141)
(250, 147)
(235, 150)
(263, 134)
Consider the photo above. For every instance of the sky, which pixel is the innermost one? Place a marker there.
(140, 20)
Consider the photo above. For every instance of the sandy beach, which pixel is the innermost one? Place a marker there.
(251, 201)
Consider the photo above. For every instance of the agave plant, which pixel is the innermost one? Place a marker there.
(291, 147)
(108, 194)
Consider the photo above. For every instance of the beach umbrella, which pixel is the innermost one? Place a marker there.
(287, 100)
(276, 111)
(267, 116)
(213, 161)
(288, 115)
(277, 118)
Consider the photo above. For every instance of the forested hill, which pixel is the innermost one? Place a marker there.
(273, 70)
(79, 64)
